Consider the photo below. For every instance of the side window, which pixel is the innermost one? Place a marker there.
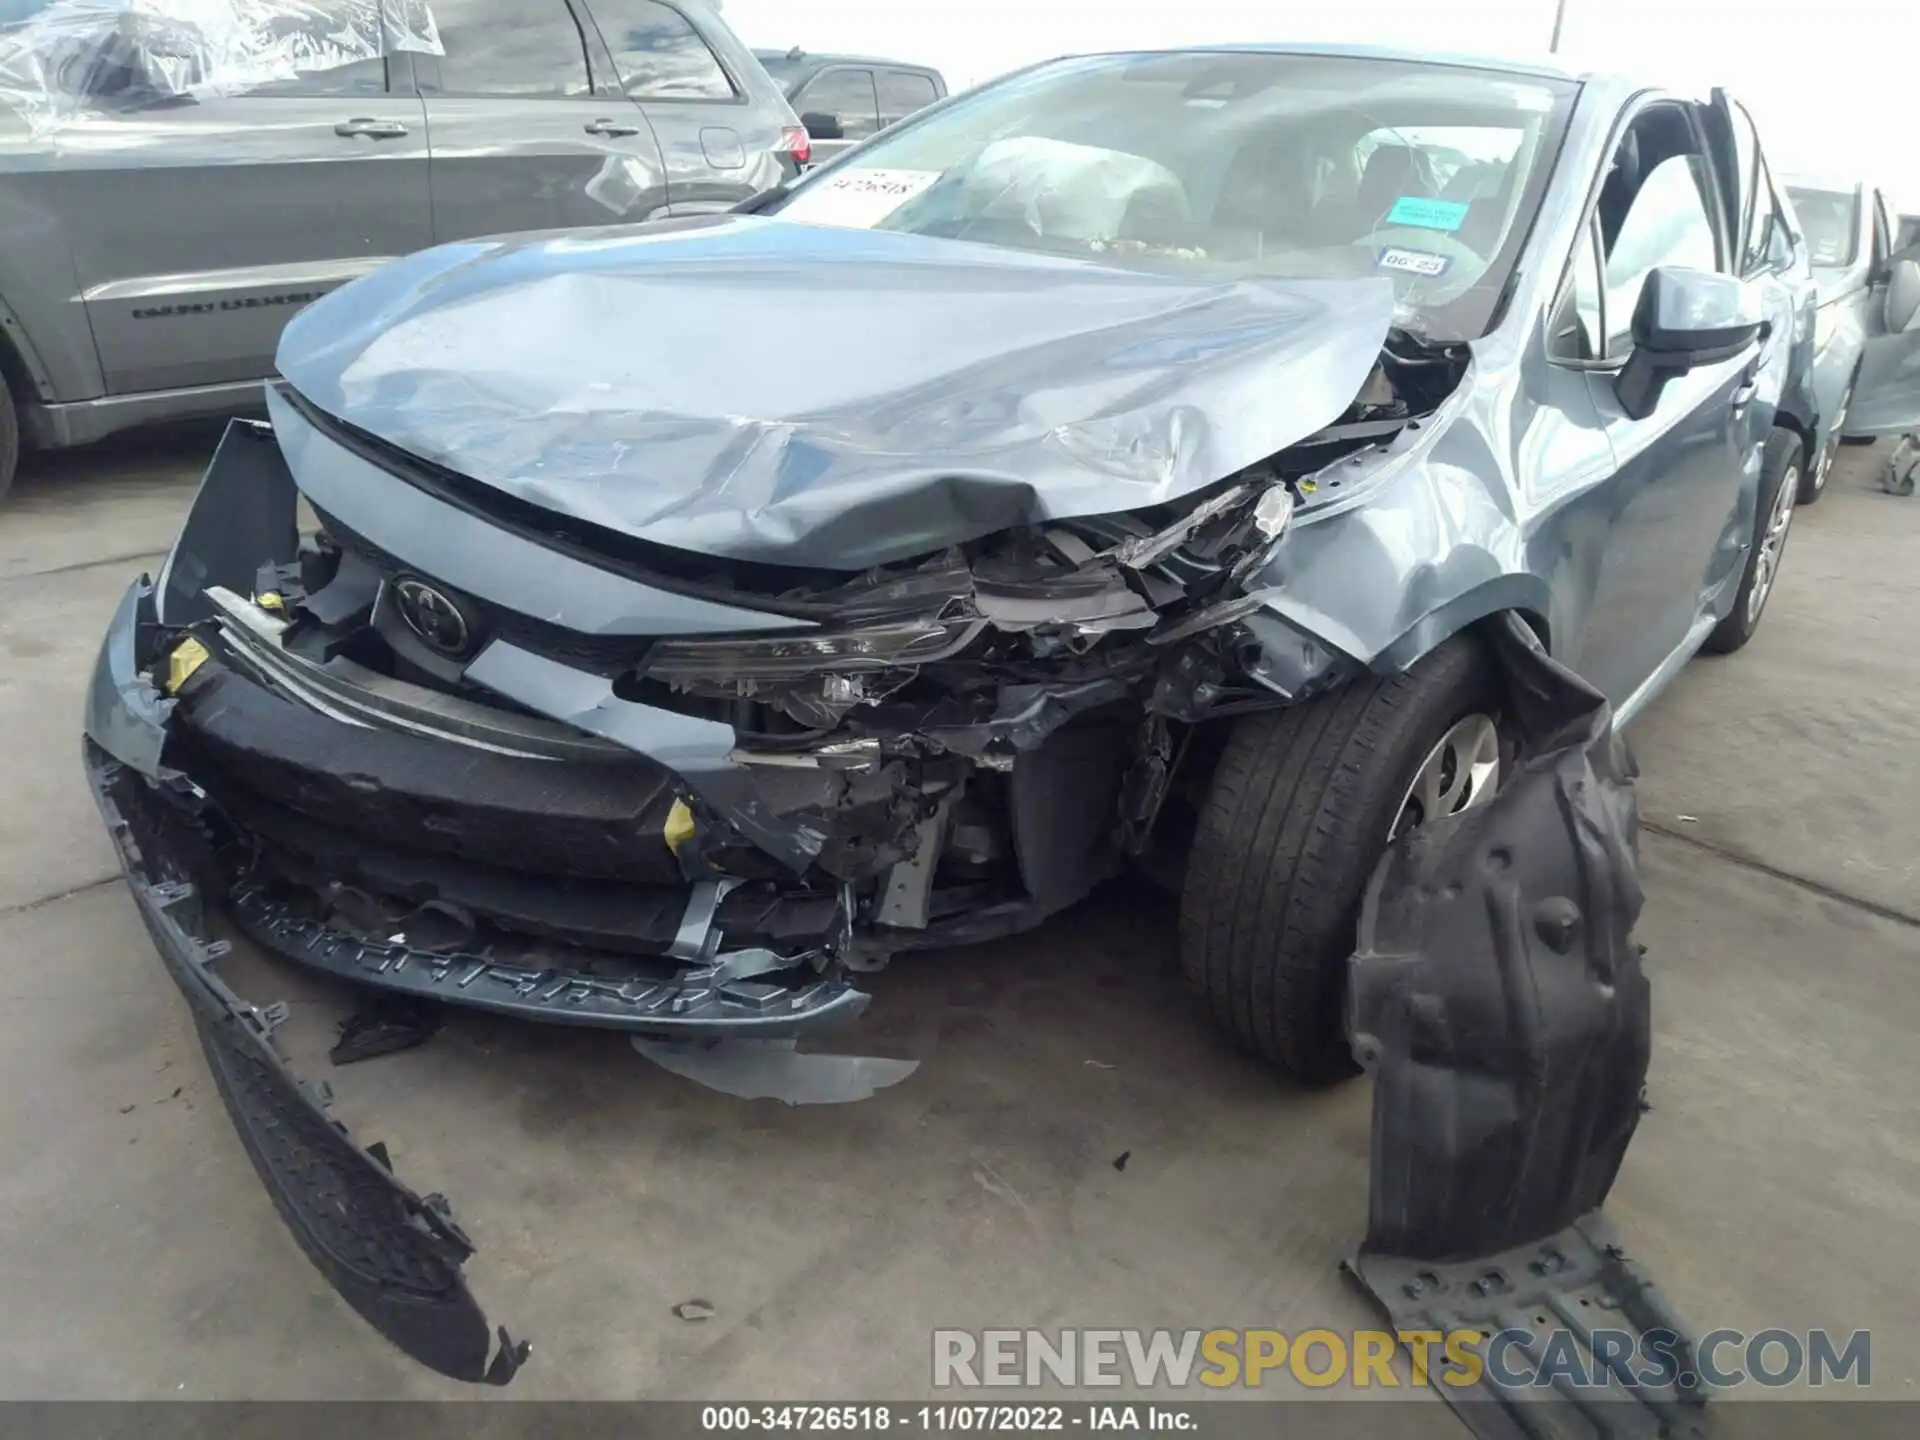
(659, 55)
(902, 92)
(841, 103)
(1577, 331)
(1773, 231)
(1667, 224)
(522, 49)
(331, 40)
(1760, 245)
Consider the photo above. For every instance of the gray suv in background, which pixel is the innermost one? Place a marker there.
(169, 197)
(843, 99)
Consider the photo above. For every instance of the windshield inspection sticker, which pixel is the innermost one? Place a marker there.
(1414, 262)
(1427, 214)
(859, 199)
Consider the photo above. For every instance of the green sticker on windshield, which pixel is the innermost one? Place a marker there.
(1426, 213)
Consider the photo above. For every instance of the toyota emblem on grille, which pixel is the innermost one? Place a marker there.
(434, 616)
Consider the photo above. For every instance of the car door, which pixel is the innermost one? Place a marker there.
(1774, 258)
(1680, 501)
(717, 151)
(840, 108)
(902, 93)
(200, 225)
(1886, 398)
(1768, 252)
(530, 128)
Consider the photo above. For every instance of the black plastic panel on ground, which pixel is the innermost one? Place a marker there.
(392, 1255)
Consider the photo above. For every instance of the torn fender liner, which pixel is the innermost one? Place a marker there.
(394, 1256)
(1498, 998)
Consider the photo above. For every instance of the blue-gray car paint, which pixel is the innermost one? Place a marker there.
(1623, 541)
(949, 390)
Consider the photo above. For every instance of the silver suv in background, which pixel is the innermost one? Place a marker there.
(844, 99)
(1850, 231)
(173, 189)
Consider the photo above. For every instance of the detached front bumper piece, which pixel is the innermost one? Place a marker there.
(393, 1255)
(398, 838)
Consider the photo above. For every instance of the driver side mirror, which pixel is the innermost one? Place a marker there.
(1684, 319)
(822, 126)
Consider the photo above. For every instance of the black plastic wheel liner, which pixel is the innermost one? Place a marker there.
(1497, 997)
(393, 1255)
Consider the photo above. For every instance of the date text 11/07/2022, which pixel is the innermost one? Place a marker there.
(975, 1418)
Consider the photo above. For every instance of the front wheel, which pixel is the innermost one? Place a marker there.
(1297, 815)
(1780, 477)
(1813, 483)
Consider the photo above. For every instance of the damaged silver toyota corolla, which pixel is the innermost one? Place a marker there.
(1221, 464)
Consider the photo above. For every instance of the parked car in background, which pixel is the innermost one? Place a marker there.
(1909, 232)
(1851, 238)
(170, 196)
(844, 99)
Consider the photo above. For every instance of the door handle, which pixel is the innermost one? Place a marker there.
(1748, 389)
(617, 128)
(372, 129)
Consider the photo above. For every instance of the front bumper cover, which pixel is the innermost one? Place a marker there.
(394, 1256)
(685, 987)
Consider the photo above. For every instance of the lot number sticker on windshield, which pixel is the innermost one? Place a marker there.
(1414, 262)
(859, 199)
(1427, 214)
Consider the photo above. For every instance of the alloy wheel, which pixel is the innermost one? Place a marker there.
(1835, 436)
(1460, 772)
(1767, 564)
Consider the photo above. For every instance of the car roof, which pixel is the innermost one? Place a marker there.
(798, 59)
(1832, 184)
(1543, 66)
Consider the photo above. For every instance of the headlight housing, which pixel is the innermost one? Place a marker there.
(789, 657)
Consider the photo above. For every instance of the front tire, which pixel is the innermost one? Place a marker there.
(1780, 476)
(1813, 483)
(1297, 815)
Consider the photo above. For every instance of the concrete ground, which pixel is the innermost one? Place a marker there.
(1775, 1182)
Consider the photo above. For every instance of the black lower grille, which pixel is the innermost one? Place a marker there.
(588, 819)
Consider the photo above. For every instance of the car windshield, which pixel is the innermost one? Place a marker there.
(1830, 222)
(1235, 162)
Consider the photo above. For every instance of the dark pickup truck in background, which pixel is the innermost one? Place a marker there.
(842, 99)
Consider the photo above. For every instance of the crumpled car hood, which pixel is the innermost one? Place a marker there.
(758, 389)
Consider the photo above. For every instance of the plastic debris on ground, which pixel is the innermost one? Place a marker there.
(775, 1069)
